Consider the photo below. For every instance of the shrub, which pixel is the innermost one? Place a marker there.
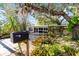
(73, 21)
(69, 51)
(42, 40)
(38, 41)
(54, 50)
(47, 50)
(67, 38)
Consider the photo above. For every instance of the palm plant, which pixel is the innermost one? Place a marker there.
(11, 26)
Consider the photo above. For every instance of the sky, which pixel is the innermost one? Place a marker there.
(2, 16)
(32, 20)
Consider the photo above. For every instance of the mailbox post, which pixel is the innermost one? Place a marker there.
(27, 47)
(17, 37)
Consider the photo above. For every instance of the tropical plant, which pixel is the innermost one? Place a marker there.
(54, 50)
(69, 51)
(38, 41)
(10, 26)
(73, 21)
(47, 50)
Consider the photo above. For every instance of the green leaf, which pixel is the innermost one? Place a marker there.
(74, 20)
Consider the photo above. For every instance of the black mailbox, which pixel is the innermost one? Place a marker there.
(19, 36)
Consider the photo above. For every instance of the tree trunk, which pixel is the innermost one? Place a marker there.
(75, 34)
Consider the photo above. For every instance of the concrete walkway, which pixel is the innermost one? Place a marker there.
(6, 47)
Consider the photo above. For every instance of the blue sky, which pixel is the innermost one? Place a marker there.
(2, 16)
(32, 20)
